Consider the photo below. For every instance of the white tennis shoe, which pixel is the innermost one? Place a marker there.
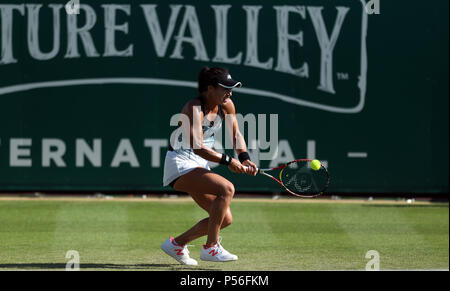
(217, 253)
(179, 253)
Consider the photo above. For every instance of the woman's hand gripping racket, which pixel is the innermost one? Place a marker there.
(299, 179)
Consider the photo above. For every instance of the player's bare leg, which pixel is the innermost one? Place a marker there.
(200, 183)
(201, 228)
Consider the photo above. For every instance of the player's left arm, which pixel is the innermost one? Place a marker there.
(236, 135)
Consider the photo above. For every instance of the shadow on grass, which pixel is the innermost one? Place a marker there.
(407, 205)
(92, 267)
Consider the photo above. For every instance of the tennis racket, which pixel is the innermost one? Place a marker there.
(299, 179)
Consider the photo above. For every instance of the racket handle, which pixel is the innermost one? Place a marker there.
(259, 170)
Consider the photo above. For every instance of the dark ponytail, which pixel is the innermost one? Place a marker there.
(209, 76)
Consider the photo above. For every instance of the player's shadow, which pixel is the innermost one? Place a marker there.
(92, 267)
(407, 205)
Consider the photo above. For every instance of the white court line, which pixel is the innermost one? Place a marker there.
(356, 155)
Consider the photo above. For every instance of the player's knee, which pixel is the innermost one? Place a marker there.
(227, 191)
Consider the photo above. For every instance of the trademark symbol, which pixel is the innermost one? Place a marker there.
(342, 76)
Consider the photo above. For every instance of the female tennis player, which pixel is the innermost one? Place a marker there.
(186, 165)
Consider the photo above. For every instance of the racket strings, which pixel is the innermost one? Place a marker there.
(297, 180)
(300, 178)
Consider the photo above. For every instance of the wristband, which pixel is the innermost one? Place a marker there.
(243, 157)
(226, 160)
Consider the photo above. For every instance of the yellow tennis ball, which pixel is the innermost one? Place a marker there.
(315, 165)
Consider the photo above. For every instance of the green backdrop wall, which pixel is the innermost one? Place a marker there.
(86, 99)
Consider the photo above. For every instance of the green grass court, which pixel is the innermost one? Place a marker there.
(121, 234)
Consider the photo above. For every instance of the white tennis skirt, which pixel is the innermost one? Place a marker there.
(177, 164)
